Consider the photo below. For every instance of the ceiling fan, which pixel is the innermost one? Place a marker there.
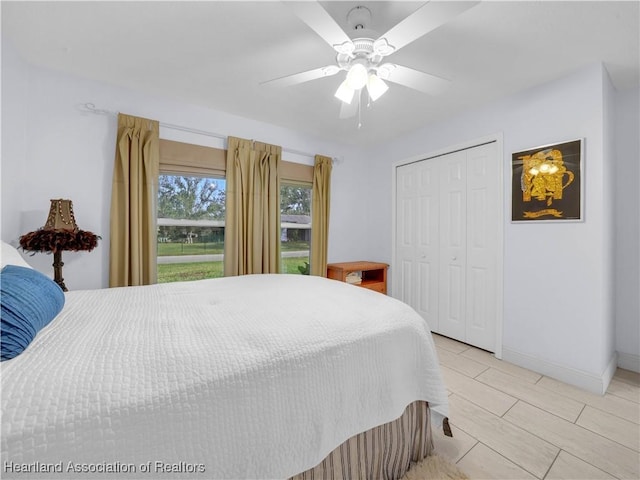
(364, 57)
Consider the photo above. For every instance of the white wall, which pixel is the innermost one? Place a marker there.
(55, 150)
(627, 219)
(557, 276)
(14, 143)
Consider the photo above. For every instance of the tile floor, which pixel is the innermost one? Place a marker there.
(511, 423)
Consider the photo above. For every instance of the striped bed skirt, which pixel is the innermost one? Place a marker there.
(381, 453)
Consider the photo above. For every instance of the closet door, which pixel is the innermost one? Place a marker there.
(417, 242)
(447, 242)
(405, 234)
(483, 227)
(453, 245)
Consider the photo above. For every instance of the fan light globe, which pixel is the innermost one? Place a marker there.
(345, 93)
(376, 87)
(357, 76)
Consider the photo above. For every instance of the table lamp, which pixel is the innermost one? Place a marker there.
(59, 233)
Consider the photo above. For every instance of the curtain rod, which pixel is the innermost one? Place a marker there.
(91, 108)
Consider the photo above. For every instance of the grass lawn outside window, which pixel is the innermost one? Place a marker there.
(179, 272)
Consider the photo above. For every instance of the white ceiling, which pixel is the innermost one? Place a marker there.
(216, 54)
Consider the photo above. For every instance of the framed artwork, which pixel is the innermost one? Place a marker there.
(546, 183)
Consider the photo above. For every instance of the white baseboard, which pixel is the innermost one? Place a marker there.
(587, 381)
(629, 361)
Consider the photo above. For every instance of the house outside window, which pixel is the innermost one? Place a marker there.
(295, 232)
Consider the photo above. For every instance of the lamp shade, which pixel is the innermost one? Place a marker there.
(58, 234)
(61, 216)
(376, 87)
(345, 93)
(357, 76)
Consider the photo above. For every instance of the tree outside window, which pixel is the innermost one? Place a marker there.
(191, 213)
(190, 227)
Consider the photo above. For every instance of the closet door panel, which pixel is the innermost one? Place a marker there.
(406, 282)
(478, 289)
(427, 242)
(483, 182)
(405, 232)
(453, 234)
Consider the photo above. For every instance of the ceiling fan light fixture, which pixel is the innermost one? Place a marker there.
(357, 76)
(345, 93)
(376, 87)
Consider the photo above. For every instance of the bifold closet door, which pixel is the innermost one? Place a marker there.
(447, 224)
(453, 245)
(469, 193)
(484, 181)
(417, 241)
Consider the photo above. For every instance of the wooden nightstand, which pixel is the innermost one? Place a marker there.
(374, 274)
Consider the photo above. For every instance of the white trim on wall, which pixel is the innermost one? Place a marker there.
(498, 139)
(587, 381)
(629, 361)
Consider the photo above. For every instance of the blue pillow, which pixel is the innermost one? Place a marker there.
(30, 300)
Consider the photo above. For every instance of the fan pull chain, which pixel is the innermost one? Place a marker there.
(359, 109)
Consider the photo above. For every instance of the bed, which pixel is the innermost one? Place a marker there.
(260, 376)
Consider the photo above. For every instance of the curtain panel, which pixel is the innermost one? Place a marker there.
(320, 203)
(252, 222)
(132, 254)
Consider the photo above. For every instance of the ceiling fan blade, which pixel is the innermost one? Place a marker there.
(303, 76)
(424, 82)
(316, 17)
(348, 110)
(427, 18)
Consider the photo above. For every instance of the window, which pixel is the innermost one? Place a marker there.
(295, 233)
(190, 227)
(191, 212)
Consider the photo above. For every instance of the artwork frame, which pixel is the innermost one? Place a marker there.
(547, 183)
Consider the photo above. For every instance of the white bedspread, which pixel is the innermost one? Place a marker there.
(245, 377)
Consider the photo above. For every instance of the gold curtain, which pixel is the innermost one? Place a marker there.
(132, 255)
(252, 222)
(320, 202)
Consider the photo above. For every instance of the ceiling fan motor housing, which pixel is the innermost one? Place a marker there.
(363, 51)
